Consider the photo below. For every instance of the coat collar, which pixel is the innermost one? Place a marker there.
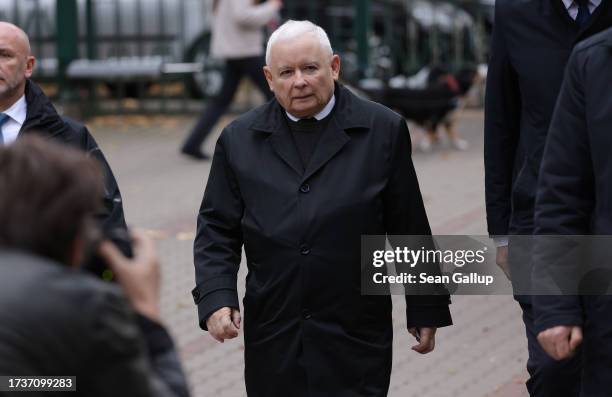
(41, 115)
(348, 114)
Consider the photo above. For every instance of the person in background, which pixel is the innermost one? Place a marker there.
(237, 36)
(57, 320)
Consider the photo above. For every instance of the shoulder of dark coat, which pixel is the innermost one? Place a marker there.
(79, 133)
(600, 39)
(75, 125)
(56, 278)
(357, 110)
(72, 133)
(43, 118)
(377, 110)
(244, 121)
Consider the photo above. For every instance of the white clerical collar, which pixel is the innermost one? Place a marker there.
(18, 110)
(322, 114)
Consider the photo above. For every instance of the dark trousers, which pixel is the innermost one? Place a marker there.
(235, 70)
(549, 378)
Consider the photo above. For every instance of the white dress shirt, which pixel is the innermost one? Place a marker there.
(322, 114)
(17, 115)
(572, 7)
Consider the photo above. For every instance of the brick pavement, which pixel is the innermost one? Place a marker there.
(482, 355)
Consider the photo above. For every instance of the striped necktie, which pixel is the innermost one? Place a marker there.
(583, 12)
(3, 119)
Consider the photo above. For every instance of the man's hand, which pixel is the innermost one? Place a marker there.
(502, 260)
(224, 323)
(139, 276)
(426, 337)
(561, 342)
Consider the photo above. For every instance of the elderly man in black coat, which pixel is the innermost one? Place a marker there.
(574, 195)
(298, 181)
(532, 41)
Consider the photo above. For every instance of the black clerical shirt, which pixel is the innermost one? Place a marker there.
(306, 134)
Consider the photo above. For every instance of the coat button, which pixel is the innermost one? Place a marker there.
(305, 188)
(304, 249)
(306, 314)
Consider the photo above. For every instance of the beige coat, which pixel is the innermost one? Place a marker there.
(237, 28)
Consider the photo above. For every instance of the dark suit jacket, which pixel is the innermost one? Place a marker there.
(575, 187)
(532, 40)
(307, 328)
(58, 322)
(42, 118)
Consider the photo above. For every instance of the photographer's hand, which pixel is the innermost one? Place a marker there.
(139, 276)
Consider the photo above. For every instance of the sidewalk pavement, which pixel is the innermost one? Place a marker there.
(483, 354)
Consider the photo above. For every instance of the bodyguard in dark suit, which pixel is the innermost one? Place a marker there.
(26, 110)
(532, 41)
(299, 194)
(574, 196)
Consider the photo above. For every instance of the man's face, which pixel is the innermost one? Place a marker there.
(301, 74)
(16, 64)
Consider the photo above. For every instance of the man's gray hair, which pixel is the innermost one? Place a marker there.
(292, 29)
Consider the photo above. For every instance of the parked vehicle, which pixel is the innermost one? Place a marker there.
(175, 30)
(404, 34)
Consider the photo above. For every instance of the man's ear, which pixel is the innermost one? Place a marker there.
(30, 62)
(335, 65)
(268, 74)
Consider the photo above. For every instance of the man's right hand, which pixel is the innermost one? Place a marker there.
(502, 260)
(224, 323)
(561, 342)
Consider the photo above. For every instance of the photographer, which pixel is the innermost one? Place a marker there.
(57, 320)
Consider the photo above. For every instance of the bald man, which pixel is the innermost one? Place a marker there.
(25, 109)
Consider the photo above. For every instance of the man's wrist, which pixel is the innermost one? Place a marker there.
(151, 311)
(500, 241)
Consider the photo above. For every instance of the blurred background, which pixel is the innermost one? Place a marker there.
(139, 71)
(157, 51)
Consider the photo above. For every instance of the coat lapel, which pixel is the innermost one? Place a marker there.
(347, 116)
(283, 145)
(344, 116)
(331, 142)
(271, 121)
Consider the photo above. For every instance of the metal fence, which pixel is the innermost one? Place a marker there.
(387, 37)
(107, 53)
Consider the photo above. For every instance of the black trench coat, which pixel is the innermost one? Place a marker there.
(308, 330)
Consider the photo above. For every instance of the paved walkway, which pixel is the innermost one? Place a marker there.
(482, 355)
